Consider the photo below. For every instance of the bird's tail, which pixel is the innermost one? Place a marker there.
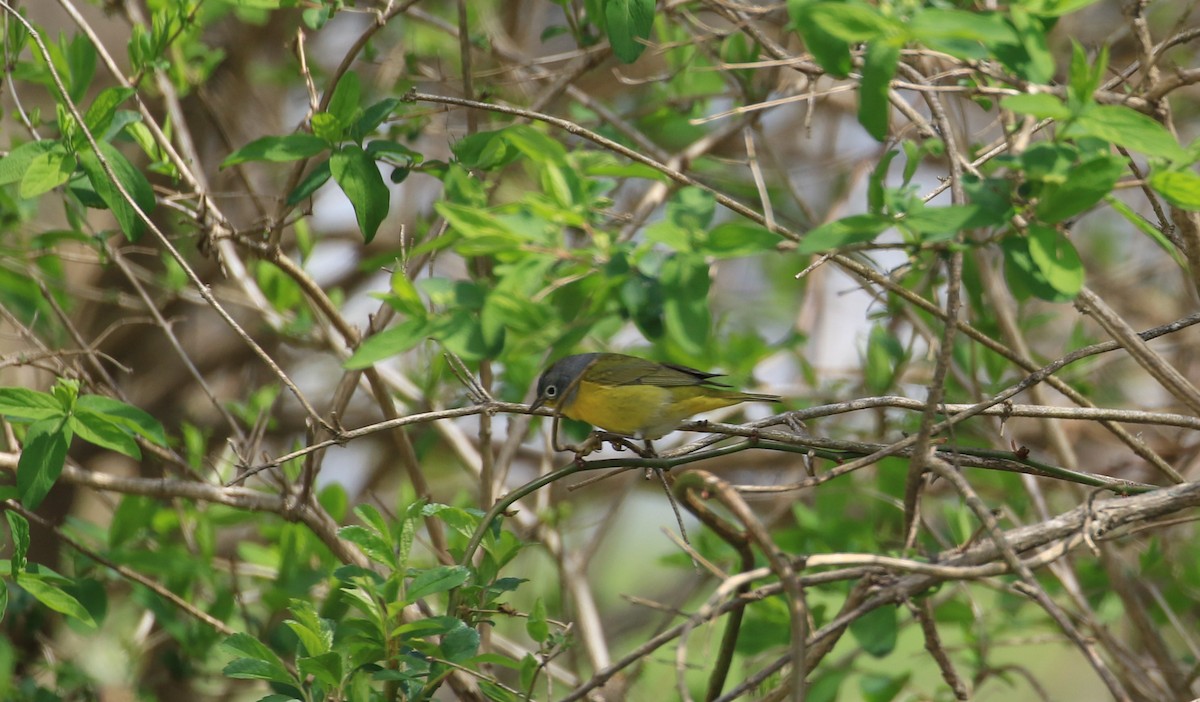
(758, 397)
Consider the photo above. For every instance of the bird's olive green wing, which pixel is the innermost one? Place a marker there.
(629, 370)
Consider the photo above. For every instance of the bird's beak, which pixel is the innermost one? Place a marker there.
(537, 403)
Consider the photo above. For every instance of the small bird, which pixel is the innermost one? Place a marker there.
(633, 396)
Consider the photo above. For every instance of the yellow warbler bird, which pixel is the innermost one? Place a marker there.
(633, 396)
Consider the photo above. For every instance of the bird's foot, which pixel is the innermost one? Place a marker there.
(621, 442)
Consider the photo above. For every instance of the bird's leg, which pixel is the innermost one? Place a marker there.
(621, 442)
(595, 442)
(554, 435)
(588, 446)
(592, 443)
(650, 452)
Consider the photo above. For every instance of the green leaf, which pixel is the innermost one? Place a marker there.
(641, 299)
(14, 165)
(670, 235)
(485, 150)
(374, 521)
(312, 182)
(563, 185)
(600, 164)
(483, 232)
(408, 533)
(80, 64)
(1084, 186)
(248, 647)
(685, 284)
(1148, 229)
(46, 172)
(102, 110)
(129, 177)
(315, 634)
(879, 66)
(344, 103)
(1055, 8)
(497, 659)
(933, 25)
(993, 196)
(826, 687)
(1046, 161)
(277, 149)
(251, 669)
(54, 598)
(831, 53)
(379, 147)
(135, 419)
(494, 324)
(627, 21)
(42, 459)
(460, 643)
(876, 631)
(25, 405)
(360, 595)
(853, 22)
(1180, 188)
(359, 178)
(877, 182)
(884, 355)
(374, 116)
(764, 627)
(1127, 127)
(1023, 276)
(325, 668)
(1030, 58)
(1083, 79)
(131, 520)
(536, 625)
(404, 297)
(1040, 105)
(371, 543)
(388, 343)
(843, 232)
(101, 431)
(448, 292)
(316, 17)
(938, 223)
(535, 144)
(879, 687)
(738, 48)
(18, 528)
(529, 669)
(426, 628)
(691, 208)
(66, 391)
(734, 239)
(1056, 257)
(435, 580)
(327, 128)
(139, 133)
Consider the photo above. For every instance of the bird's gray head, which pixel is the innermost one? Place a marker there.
(559, 383)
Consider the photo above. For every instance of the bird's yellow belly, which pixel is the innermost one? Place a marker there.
(639, 410)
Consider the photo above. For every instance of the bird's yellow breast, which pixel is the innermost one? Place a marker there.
(642, 410)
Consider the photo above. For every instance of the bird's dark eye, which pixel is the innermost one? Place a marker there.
(551, 391)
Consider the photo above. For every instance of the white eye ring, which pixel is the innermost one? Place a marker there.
(551, 391)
